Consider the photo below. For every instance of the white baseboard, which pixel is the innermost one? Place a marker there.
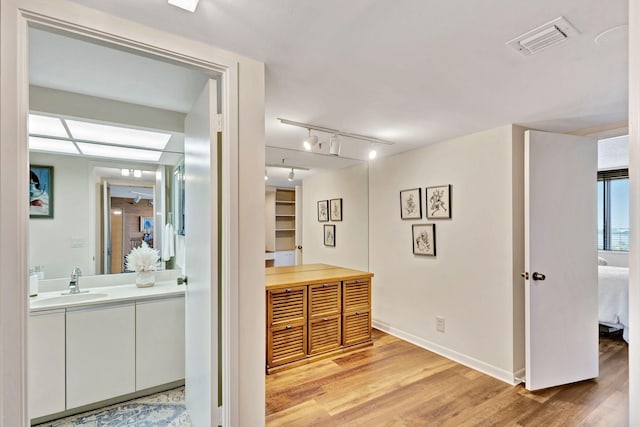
(463, 359)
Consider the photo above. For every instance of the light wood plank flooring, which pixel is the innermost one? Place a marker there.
(394, 383)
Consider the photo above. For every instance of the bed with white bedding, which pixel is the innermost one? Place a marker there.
(613, 298)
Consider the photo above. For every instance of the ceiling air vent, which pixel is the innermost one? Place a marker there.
(544, 36)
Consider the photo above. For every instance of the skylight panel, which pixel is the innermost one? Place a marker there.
(45, 125)
(118, 152)
(52, 145)
(117, 135)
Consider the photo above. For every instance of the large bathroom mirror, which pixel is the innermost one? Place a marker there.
(106, 154)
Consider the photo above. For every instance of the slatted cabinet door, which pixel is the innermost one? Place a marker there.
(356, 311)
(324, 317)
(287, 325)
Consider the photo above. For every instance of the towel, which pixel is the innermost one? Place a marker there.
(169, 243)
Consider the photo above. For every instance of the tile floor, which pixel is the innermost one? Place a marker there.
(162, 409)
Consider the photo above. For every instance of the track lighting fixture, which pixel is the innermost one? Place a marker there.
(291, 175)
(310, 141)
(334, 142)
(189, 5)
(334, 145)
(125, 172)
(137, 173)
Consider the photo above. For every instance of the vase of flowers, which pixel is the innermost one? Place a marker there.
(143, 260)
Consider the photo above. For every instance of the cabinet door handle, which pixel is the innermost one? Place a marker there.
(288, 290)
(325, 318)
(324, 285)
(288, 327)
(357, 313)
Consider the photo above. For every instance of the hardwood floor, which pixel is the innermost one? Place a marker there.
(394, 383)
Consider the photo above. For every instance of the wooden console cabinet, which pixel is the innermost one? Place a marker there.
(314, 311)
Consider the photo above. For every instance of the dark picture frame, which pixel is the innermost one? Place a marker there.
(411, 203)
(323, 211)
(438, 201)
(335, 209)
(329, 232)
(40, 191)
(423, 238)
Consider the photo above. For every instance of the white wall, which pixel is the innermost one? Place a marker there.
(634, 215)
(50, 240)
(473, 282)
(351, 250)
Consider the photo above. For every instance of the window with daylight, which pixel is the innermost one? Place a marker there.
(613, 210)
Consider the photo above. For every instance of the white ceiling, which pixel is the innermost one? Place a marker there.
(409, 71)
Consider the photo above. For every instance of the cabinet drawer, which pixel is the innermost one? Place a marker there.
(324, 334)
(286, 305)
(324, 299)
(286, 343)
(356, 327)
(356, 294)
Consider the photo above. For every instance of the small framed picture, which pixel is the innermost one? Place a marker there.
(146, 224)
(329, 235)
(323, 211)
(335, 209)
(40, 191)
(411, 204)
(438, 202)
(424, 239)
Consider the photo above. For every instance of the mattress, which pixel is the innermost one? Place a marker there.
(613, 297)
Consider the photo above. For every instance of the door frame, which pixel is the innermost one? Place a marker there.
(15, 18)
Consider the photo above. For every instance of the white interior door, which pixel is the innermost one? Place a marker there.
(201, 261)
(561, 309)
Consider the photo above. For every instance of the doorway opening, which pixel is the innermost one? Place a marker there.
(107, 217)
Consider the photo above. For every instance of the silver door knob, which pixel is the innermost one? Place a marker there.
(538, 276)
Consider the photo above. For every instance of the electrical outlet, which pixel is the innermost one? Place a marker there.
(439, 324)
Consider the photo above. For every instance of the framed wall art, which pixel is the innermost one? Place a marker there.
(323, 211)
(329, 235)
(424, 239)
(146, 224)
(438, 202)
(335, 209)
(411, 204)
(40, 191)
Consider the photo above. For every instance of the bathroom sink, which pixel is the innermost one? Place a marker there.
(70, 298)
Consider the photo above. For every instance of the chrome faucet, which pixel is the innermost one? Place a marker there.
(74, 284)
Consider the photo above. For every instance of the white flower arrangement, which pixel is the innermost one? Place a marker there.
(143, 258)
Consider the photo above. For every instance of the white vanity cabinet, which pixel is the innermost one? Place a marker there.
(46, 363)
(100, 351)
(159, 342)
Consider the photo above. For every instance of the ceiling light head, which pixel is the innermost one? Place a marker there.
(372, 152)
(189, 5)
(334, 145)
(291, 175)
(310, 141)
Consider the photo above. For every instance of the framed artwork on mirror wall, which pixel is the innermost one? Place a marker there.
(40, 191)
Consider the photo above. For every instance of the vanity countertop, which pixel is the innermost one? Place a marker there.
(103, 295)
